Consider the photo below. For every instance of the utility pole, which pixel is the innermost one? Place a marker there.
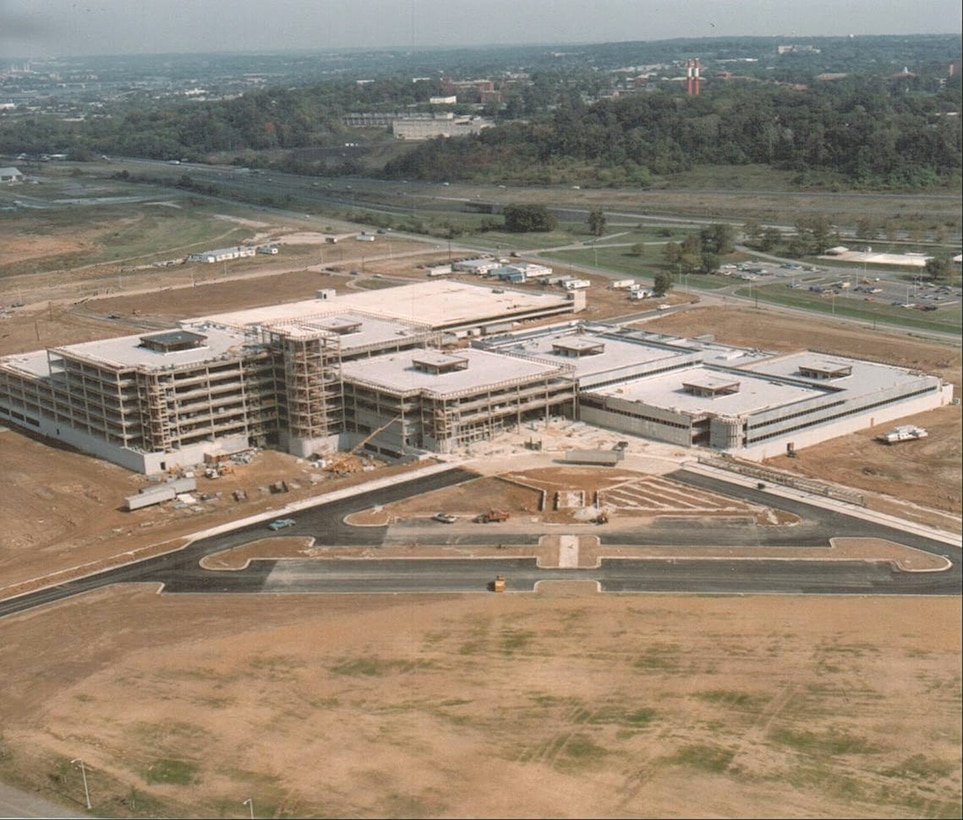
(83, 773)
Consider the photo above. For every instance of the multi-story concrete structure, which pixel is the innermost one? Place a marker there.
(436, 400)
(390, 369)
(273, 377)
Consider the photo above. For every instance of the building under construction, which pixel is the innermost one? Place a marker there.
(433, 367)
(282, 377)
(437, 401)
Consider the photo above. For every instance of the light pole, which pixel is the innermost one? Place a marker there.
(83, 774)
(249, 803)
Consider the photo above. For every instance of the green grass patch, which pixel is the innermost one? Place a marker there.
(640, 718)
(376, 667)
(659, 657)
(921, 767)
(583, 749)
(854, 650)
(471, 648)
(513, 640)
(822, 744)
(547, 699)
(706, 758)
(743, 701)
(945, 320)
(172, 771)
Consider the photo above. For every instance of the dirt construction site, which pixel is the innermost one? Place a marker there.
(560, 703)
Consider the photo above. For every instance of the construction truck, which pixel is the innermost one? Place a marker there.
(498, 585)
(491, 516)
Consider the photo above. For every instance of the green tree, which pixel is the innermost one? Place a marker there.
(938, 268)
(752, 231)
(596, 222)
(770, 239)
(661, 283)
(718, 238)
(672, 252)
(528, 219)
(814, 232)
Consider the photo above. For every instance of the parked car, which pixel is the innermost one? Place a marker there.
(281, 524)
(444, 518)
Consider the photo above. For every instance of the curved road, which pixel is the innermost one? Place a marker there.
(181, 571)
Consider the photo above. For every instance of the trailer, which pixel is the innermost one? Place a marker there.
(906, 432)
(159, 493)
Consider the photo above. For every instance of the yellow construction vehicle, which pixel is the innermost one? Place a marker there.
(498, 585)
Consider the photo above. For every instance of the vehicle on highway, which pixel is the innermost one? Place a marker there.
(444, 518)
(281, 524)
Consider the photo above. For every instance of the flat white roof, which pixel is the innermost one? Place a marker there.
(128, 351)
(666, 391)
(438, 303)
(362, 331)
(617, 353)
(397, 372)
(863, 377)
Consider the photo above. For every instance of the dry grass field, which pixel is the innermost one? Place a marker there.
(560, 703)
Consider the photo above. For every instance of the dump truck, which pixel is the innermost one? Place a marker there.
(498, 585)
(490, 516)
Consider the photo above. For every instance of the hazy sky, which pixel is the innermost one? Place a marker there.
(35, 28)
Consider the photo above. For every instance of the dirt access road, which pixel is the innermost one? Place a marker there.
(562, 703)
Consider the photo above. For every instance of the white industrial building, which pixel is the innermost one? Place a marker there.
(10, 175)
(390, 369)
(696, 392)
(223, 254)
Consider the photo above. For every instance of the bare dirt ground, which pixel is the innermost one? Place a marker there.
(564, 703)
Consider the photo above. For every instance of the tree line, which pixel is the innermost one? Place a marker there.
(859, 131)
(863, 132)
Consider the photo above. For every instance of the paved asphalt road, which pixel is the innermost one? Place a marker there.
(181, 571)
(15, 803)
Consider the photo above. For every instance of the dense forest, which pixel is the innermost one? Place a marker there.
(868, 132)
(561, 119)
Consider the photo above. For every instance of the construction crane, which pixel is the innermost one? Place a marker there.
(360, 445)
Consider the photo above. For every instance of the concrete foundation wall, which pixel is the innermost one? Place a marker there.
(636, 426)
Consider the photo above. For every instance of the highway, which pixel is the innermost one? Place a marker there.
(181, 571)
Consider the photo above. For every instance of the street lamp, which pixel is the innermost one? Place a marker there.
(83, 774)
(249, 803)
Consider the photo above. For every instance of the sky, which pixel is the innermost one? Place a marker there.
(64, 28)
